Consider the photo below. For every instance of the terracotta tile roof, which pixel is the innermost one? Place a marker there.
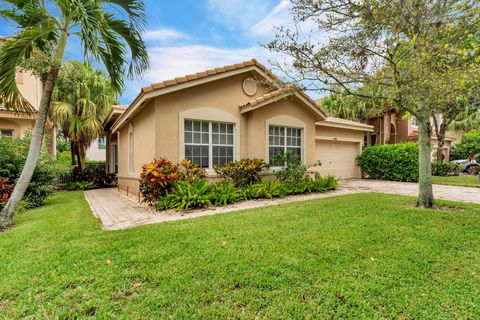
(120, 107)
(265, 97)
(347, 122)
(414, 135)
(285, 91)
(207, 73)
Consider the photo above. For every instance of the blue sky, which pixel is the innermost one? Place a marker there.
(186, 36)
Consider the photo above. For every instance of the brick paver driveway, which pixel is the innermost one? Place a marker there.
(453, 193)
(117, 211)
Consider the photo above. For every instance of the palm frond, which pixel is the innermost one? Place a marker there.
(140, 60)
(12, 53)
(61, 111)
(135, 10)
(106, 38)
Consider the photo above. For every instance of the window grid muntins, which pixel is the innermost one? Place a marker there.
(282, 139)
(6, 133)
(209, 143)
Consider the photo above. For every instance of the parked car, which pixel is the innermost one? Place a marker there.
(470, 166)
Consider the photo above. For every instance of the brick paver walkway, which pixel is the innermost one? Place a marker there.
(117, 211)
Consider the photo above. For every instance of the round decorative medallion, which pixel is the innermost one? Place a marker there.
(250, 86)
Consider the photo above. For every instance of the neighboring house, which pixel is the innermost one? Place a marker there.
(15, 125)
(393, 127)
(226, 114)
(97, 150)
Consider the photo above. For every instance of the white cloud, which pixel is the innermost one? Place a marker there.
(280, 16)
(171, 62)
(168, 62)
(164, 35)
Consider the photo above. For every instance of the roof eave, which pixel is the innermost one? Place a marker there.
(314, 108)
(349, 126)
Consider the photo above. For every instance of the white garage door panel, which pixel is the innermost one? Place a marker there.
(338, 158)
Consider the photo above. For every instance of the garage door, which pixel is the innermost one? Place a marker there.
(338, 158)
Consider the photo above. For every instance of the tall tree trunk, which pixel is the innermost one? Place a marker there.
(440, 132)
(425, 194)
(72, 153)
(6, 216)
(440, 146)
(79, 157)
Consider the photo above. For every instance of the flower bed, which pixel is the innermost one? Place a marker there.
(184, 186)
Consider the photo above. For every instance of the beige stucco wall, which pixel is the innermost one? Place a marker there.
(19, 125)
(95, 153)
(339, 133)
(286, 112)
(30, 87)
(219, 96)
(143, 128)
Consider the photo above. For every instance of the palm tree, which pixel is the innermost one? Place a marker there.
(109, 31)
(81, 100)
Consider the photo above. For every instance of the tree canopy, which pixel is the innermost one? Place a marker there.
(110, 34)
(80, 102)
(420, 56)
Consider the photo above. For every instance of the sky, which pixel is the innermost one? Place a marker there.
(187, 36)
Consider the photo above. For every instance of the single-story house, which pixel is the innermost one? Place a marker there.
(226, 114)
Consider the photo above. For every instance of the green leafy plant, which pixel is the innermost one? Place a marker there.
(247, 192)
(44, 180)
(241, 173)
(268, 189)
(322, 184)
(190, 172)
(187, 195)
(80, 185)
(166, 202)
(292, 169)
(445, 169)
(157, 178)
(468, 148)
(395, 162)
(224, 194)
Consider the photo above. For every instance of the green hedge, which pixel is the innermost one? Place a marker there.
(468, 146)
(13, 154)
(445, 169)
(395, 162)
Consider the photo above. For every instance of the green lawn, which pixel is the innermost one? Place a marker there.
(358, 256)
(463, 181)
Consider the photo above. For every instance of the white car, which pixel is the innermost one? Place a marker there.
(469, 166)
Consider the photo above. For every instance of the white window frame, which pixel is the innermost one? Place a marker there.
(104, 144)
(414, 122)
(210, 140)
(286, 146)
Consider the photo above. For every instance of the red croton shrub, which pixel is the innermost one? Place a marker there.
(6, 190)
(158, 177)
